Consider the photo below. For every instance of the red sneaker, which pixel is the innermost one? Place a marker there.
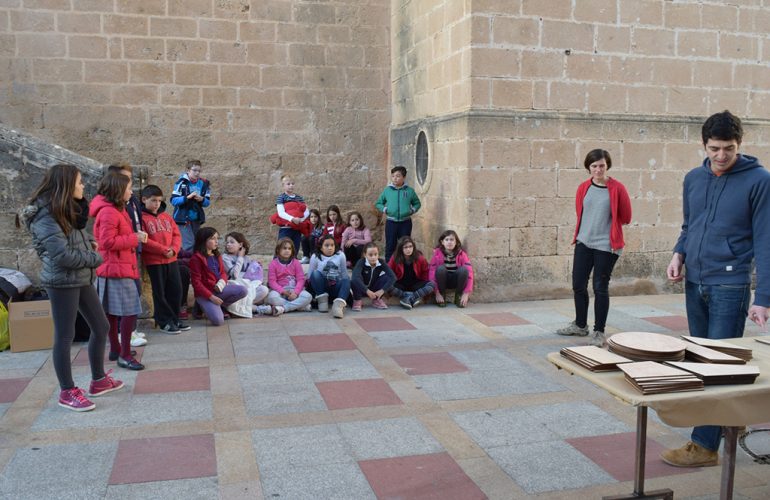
(183, 313)
(379, 304)
(74, 399)
(105, 385)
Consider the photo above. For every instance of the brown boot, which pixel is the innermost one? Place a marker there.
(690, 455)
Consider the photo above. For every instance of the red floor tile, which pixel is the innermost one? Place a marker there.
(673, 323)
(615, 453)
(173, 380)
(384, 324)
(323, 343)
(430, 363)
(81, 358)
(357, 394)
(164, 459)
(499, 319)
(420, 477)
(10, 388)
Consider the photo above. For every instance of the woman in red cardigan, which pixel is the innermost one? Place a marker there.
(603, 207)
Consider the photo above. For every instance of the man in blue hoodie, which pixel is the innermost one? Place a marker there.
(726, 205)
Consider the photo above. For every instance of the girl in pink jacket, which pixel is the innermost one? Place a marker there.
(354, 238)
(286, 280)
(450, 268)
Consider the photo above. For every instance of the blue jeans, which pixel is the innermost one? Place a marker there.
(393, 231)
(188, 234)
(294, 235)
(715, 312)
(339, 290)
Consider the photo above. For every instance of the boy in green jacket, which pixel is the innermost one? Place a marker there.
(398, 202)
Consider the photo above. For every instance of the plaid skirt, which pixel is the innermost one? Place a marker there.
(118, 296)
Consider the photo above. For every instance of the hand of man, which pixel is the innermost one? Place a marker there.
(759, 315)
(674, 269)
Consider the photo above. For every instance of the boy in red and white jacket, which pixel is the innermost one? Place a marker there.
(159, 255)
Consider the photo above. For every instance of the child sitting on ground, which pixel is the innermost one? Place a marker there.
(310, 241)
(355, 237)
(371, 278)
(334, 224)
(160, 259)
(245, 271)
(450, 268)
(209, 278)
(328, 277)
(411, 270)
(287, 280)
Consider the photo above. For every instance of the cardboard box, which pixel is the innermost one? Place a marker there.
(31, 325)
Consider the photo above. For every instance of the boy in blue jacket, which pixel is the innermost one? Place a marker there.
(726, 206)
(191, 194)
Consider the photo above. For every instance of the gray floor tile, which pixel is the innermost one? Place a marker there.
(273, 373)
(578, 419)
(300, 446)
(173, 351)
(23, 360)
(389, 438)
(504, 427)
(203, 488)
(489, 359)
(546, 319)
(628, 323)
(248, 344)
(314, 323)
(641, 310)
(3, 408)
(274, 399)
(428, 337)
(521, 331)
(262, 326)
(330, 481)
(37, 473)
(548, 466)
(339, 365)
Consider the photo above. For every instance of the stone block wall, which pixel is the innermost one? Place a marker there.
(549, 81)
(254, 89)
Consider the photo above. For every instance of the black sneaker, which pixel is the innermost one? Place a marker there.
(114, 355)
(130, 363)
(183, 327)
(171, 329)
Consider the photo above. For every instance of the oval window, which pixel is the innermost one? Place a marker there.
(421, 158)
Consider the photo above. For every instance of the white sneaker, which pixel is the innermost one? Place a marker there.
(138, 334)
(137, 341)
(305, 260)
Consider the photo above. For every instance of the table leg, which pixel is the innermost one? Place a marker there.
(641, 453)
(728, 463)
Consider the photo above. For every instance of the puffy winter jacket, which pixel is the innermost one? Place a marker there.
(420, 266)
(117, 241)
(202, 278)
(68, 260)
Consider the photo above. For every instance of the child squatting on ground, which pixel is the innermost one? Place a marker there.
(371, 278)
(412, 271)
(209, 279)
(328, 277)
(450, 268)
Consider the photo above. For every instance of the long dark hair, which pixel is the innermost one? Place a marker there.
(448, 232)
(321, 240)
(241, 239)
(398, 255)
(285, 241)
(201, 237)
(58, 189)
(113, 187)
(320, 222)
(334, 208)
(360, 217)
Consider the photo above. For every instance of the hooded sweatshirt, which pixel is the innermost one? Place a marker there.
(162, 234)
(398, 203)
(726, 225)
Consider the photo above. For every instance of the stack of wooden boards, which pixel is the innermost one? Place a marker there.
(654, 363)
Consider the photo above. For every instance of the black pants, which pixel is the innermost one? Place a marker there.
(353, 253)
(309, 244)
(166, 292)
(184, 277)
(602, 263)
(452, 280)
(65, 305)
(393, 231)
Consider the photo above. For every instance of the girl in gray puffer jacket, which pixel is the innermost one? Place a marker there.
(56, 218)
